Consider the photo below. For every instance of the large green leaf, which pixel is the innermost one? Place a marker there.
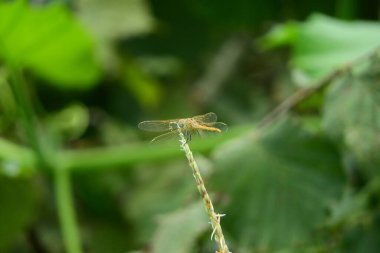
(326, 43)
(352, 113)
(48, 41)
(177, 231)
(17, 209)
(279, 186)
(321, 43)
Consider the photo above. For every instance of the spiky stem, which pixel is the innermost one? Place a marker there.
(214, 217)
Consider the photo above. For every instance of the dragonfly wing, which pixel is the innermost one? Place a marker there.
(207, 118)
(221, 126)
(211, 133)
(155, 125)
(169, 136)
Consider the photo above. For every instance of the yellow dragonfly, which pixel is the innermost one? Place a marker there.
(188, 126)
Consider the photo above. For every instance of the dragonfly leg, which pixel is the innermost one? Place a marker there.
(187, 135)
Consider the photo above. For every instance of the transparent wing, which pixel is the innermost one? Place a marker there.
(163, 138)
(214, 130)
(221, 126)
(207, 118)
(155, 125)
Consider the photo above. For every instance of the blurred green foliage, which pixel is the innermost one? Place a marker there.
(18, 203)
(322, 44)
(356, 132)
(76, 76)
(286, 201)
(48, 41)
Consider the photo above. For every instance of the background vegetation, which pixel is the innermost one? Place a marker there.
(76, 175)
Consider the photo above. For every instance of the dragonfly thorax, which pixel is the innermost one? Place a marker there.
(183, 124)
(176, 125)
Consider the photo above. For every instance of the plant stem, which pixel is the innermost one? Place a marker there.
(214, 217)
(132, 154)
(101, 158)
(27, 116)
(66, 211)
(346, 9)
(49, 162)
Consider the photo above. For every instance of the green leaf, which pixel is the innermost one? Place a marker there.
(326, 43)
(354, 210)
(177, 231)
(8, 107)
(280, 35)
(322, 44)
(17, 209)
(279, 186)
(352, 113)
(350, 210)
(48, 41)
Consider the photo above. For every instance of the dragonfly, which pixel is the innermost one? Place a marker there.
(200, 124)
